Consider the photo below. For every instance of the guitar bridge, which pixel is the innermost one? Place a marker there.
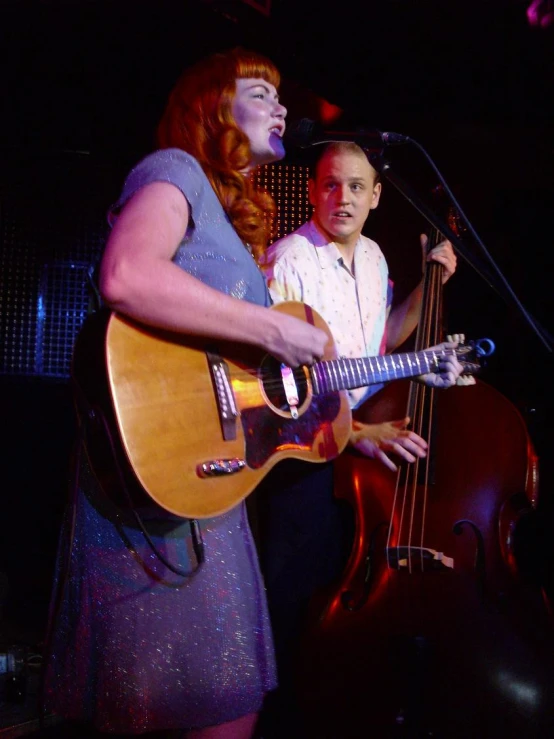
(226, 406)
(220, 467)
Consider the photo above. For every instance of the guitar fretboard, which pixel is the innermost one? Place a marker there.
(346, 374)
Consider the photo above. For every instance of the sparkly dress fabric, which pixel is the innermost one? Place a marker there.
(135, 647)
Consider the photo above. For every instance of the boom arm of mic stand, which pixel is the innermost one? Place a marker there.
(384, 168)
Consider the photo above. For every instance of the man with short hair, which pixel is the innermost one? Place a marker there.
(328, 264)
(304, 535)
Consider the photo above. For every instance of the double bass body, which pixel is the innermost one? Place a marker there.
(435, 634)
(431, 631)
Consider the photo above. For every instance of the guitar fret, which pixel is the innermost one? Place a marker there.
(353, 365)
(319, 372)
(325, 378)
(343, 373)
(384, 367)
(371, 362)
(343, 366)
(360, 365)
(322, 378)
(386, 363)
(381, 376)
(335, 377)
(348, 373)
(314, 374)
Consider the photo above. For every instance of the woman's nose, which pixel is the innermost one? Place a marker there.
(280, 111)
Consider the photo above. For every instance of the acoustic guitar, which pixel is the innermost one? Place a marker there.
(197, 426)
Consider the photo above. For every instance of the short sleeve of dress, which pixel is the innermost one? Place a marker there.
(166, 165)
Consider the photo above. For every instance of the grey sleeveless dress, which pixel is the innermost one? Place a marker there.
(136, 648)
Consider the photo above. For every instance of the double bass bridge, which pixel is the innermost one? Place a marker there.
(422, 558)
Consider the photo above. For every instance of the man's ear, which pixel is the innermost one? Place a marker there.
(311, 191)
(376, 195)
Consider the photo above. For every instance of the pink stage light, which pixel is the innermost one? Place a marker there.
(540, 13)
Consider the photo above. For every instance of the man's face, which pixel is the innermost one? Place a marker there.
(343, 192)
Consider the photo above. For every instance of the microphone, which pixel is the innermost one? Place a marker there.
(305, 133)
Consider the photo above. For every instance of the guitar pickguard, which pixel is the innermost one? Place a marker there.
(267, 433)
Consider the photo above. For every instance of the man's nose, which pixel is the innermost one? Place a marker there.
(343, 194)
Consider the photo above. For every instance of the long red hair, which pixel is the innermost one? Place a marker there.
(198, 118)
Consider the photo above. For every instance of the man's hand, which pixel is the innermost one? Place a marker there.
(375, 439)
(442, 253)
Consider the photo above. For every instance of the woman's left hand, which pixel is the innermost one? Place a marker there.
(449, 367)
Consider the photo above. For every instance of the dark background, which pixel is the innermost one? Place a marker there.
(84, 83)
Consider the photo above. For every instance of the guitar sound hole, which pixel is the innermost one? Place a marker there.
(272, 381)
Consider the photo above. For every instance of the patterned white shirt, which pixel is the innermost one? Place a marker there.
(305, 266)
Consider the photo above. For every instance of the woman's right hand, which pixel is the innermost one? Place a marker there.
(293, 341)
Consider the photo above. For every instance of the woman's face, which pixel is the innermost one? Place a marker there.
(259, 114)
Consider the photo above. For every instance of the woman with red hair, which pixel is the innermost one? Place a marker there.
(137, 647)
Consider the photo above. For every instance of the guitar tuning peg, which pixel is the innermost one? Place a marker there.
(460, 338)
(484, 347)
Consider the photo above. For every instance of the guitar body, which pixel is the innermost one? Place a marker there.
(158, 398)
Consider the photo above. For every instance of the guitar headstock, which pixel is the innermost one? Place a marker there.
(470, 355)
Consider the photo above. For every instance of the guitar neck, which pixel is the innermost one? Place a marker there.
(346, 374)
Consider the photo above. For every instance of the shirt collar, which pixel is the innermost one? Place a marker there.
(326, 251)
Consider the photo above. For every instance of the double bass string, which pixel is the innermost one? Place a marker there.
(420, 409)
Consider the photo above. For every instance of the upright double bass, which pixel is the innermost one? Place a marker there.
(432, 631)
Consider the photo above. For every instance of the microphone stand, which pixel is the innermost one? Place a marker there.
(502, 288)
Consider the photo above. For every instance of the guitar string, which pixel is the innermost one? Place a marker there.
(269, 374)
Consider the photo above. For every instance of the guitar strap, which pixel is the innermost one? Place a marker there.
(309, 314)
